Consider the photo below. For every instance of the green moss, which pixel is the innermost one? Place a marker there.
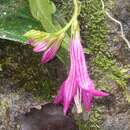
(95, 32)
(94, 121)
(20, 67)
(102, 63)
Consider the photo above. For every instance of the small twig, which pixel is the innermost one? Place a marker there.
(118, 22)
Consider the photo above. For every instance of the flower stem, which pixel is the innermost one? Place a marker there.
(74, 17)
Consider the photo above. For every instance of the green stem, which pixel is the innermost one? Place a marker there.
(74, 17)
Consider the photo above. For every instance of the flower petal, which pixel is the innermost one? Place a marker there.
(50, 53)
(87, 100)
(78, 79)
(41, 46)
(98, 93)
(89, 95)
(59, 97)
(70, 91)
(78, 100)
(70, 85)
(30, 41)
(83, 77)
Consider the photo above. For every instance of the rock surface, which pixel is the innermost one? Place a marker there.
(121, 121)
(19, 68)
(118, 116)
(49, 117)
(24, 83)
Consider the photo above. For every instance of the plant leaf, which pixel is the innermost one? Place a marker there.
(16, 19)
(42, 10)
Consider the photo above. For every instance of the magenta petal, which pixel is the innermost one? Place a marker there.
(98, 93)
(70, 91)
(59, 97)
(78, 78)
(50, 53)
(40, 47)
(70, 86)
(83, 76)
(71, 83)
(87, 100)
(66, 92)
(89, 95)
(30, 42)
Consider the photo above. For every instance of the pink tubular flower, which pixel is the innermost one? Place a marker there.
(78, 86)
(50, 53)
(44, 43)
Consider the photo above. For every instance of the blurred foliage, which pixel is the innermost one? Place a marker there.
(20, 71)
(42, 10)
(94, 121)
(16, 19)
(95, 33)
(103, 64)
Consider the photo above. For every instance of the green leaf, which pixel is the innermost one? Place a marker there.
(42, 10)
(16, 20)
